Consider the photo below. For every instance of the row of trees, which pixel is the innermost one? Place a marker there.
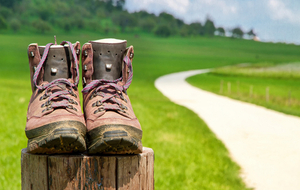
(104, 16)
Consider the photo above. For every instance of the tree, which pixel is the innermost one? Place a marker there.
(209, 27)
(120, 4)
(196, 29)
(184, 31)
(251, 34)
(237, 33)
(6, 12)
(3, 24)
(163, 31)
(8, 3)
(41, 26)
(168, 19)
(124, 20)
(109, 6)
(180, 23)
(221, 31)
(15, 25)
(165, 17)
(147, 24)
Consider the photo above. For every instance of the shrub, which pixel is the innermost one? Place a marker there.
(3, 24)
(148, 24)
(163, 31)
(41, 26)
(15, 25)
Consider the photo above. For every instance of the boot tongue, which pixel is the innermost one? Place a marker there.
(57, 64)
(107, 58)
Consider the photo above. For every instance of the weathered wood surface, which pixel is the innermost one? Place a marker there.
(101, 172)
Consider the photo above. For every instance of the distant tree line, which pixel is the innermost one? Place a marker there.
(103, 16)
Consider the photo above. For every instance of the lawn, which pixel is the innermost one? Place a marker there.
(275, 86)
(187, 154)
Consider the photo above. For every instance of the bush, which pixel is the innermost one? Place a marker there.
(79, 22)
(124, 20)
(163, 31)
(148, 24)
(15, 25)
(65, 23)
(5, 12)
(184, 31)
(3, 24)
(41, 26)
(95, 26)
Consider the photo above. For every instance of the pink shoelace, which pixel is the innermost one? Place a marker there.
(62, 83)
(116, 91)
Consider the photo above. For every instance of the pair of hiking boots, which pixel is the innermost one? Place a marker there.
(55, 122)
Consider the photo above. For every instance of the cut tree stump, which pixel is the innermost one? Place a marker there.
(85, 172)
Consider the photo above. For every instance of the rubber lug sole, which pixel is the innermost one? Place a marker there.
(115, 139)
(57, 138)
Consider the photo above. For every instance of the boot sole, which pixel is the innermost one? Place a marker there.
(57, 137)
(115, 139)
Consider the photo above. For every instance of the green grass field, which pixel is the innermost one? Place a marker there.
(187, 153)
(275, 86)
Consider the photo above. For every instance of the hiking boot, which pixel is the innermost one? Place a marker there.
(55, 122)
(112, 127)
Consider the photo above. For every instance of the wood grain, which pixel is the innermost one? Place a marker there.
(101, 172)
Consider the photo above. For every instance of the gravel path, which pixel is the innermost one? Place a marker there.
(265, 143)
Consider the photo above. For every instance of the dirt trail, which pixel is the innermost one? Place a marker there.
(265, 143)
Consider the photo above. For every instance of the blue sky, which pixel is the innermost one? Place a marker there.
(272, 20)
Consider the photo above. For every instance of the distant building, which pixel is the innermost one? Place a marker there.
(255, 38)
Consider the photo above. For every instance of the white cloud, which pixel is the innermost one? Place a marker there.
(279, 11)
(178, 5)
(221, 5)
(156, 7)
(188, 10)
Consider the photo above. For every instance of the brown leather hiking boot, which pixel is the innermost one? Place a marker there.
(55, 123)
(112, 127)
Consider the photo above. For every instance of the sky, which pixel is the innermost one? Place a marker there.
(272, 20)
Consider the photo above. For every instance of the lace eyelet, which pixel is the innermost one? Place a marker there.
(98, 103)
(98, 110)
(48, 103)
(123, 107)
(47, 109)
(71, 101)
(43, 97)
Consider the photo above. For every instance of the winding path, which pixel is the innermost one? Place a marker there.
(265, 143)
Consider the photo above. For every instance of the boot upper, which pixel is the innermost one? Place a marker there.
(54, 81)
(105, 98)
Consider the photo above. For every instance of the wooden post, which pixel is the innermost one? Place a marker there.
(267, 94)
(221, 87)
(229, 88)
(238, 88)
(290, 97)
(101, 172)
